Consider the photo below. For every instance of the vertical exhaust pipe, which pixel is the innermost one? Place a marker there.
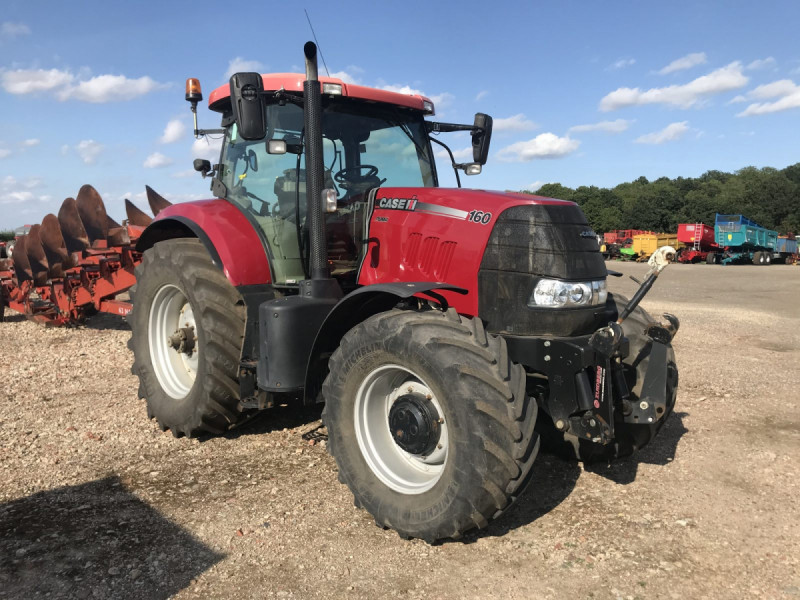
(318, 260)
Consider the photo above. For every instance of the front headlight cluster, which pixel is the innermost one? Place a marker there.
(554, 293)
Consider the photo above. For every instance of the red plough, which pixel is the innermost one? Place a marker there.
(75, 264)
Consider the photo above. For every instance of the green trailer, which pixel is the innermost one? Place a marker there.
(743, 240)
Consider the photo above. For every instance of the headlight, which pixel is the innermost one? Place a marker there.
(554, 293)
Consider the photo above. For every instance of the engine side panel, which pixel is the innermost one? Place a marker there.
(435, 234)
(239, 248)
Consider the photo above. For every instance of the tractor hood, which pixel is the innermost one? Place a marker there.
(453, 235)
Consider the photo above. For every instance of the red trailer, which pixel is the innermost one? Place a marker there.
(699, 240)
(624, 237)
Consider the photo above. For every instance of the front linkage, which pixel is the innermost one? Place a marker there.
(587, 391)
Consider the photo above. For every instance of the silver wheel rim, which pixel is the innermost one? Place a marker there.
(176, 371)
(403, 472)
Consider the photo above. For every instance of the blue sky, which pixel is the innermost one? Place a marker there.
(582, 93)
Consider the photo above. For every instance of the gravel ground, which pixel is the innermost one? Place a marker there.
(96, 502)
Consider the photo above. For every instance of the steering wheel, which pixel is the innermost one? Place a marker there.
(353, 174)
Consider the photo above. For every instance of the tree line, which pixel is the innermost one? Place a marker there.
(770, 197)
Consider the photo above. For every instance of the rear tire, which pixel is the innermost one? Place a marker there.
(628, 437)
(191, 390)
(487, 437)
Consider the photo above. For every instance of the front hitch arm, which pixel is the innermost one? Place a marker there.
(660, 332)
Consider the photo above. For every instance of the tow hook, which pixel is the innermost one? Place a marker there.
(664, 332)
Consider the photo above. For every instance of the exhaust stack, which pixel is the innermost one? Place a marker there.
(318, 259)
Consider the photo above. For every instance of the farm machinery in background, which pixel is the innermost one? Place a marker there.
(698, 242)
(74, 265)
(635, 244)
(618, 244)
(740, 240)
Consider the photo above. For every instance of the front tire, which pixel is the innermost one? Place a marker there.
(187, 330)
(429, 422)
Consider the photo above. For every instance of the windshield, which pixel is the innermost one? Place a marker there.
(364, 146)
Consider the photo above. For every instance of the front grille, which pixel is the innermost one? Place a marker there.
(529, 242)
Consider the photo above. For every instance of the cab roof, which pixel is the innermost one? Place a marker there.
(219, 100)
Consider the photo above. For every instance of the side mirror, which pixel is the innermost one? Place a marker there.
(201, 165)
(249, 108)
(481, 138)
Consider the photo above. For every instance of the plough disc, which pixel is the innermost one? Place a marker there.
(75, 237)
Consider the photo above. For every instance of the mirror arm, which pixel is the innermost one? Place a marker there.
(452, 158)
(435, 127)
(198, 132)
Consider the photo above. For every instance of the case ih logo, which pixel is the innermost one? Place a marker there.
(412, 204)
(398, 203)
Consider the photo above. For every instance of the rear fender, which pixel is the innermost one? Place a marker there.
(227, 234)
(354, 308)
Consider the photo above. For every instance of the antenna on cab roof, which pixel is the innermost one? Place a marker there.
(316, 41)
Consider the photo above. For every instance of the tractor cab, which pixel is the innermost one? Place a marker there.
(364, 146)
(370, 138)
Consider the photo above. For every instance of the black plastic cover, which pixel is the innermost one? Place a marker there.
(530, 242)
(288, 328)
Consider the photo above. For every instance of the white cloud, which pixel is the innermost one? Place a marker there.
(672, 132)
(350, 74)
(110, 88)
(461, 155)
(173, 132)
(481, 95)
(403, 89)
(786, 91)
(31, 81)
(544, 145)
(534, 187)
(207, 148)
(5, 152)
(724, 79)
(89, 150)
(15, 191)
(31, 143)
(776, 89)
(621, 64)
(685, 62)
(9, 30)
(442, 101)
(737, 99)
(240, 65)
(514, 123)
(103, 88)
(156, 161)
(762, 63)
(617, 126)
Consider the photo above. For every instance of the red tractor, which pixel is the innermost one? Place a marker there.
(435, 324)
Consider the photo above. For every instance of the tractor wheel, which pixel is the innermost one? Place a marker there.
(188, 327)
(767, 256)
(628, 437)
(429, 422)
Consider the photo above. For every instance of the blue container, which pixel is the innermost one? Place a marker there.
(736, 231)
(786, 246)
